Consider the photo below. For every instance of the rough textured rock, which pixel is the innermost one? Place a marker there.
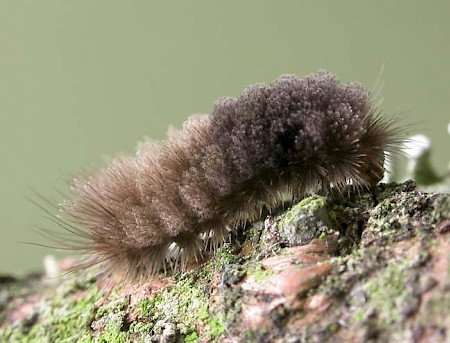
(369, 267)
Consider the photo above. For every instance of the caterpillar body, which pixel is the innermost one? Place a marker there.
(178, 198)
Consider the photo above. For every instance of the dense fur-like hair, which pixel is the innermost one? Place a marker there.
(175, 198)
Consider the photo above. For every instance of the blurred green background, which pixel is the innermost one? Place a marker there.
(84, 79)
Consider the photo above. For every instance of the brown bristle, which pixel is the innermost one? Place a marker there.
(178, 198)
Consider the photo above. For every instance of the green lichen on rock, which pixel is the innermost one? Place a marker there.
(397, 216)
(56, 314)
(385, 293)
(183, 307)
(308, 219)
(110, 320)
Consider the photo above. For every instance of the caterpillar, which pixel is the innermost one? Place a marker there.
(179, 198)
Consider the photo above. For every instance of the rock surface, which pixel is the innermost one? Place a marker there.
(368, 267)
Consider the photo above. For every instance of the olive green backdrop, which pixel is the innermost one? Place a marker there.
(84, 79)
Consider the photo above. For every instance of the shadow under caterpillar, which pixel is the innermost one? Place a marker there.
(174, 199)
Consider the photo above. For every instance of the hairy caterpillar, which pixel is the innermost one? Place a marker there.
(175, 198)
